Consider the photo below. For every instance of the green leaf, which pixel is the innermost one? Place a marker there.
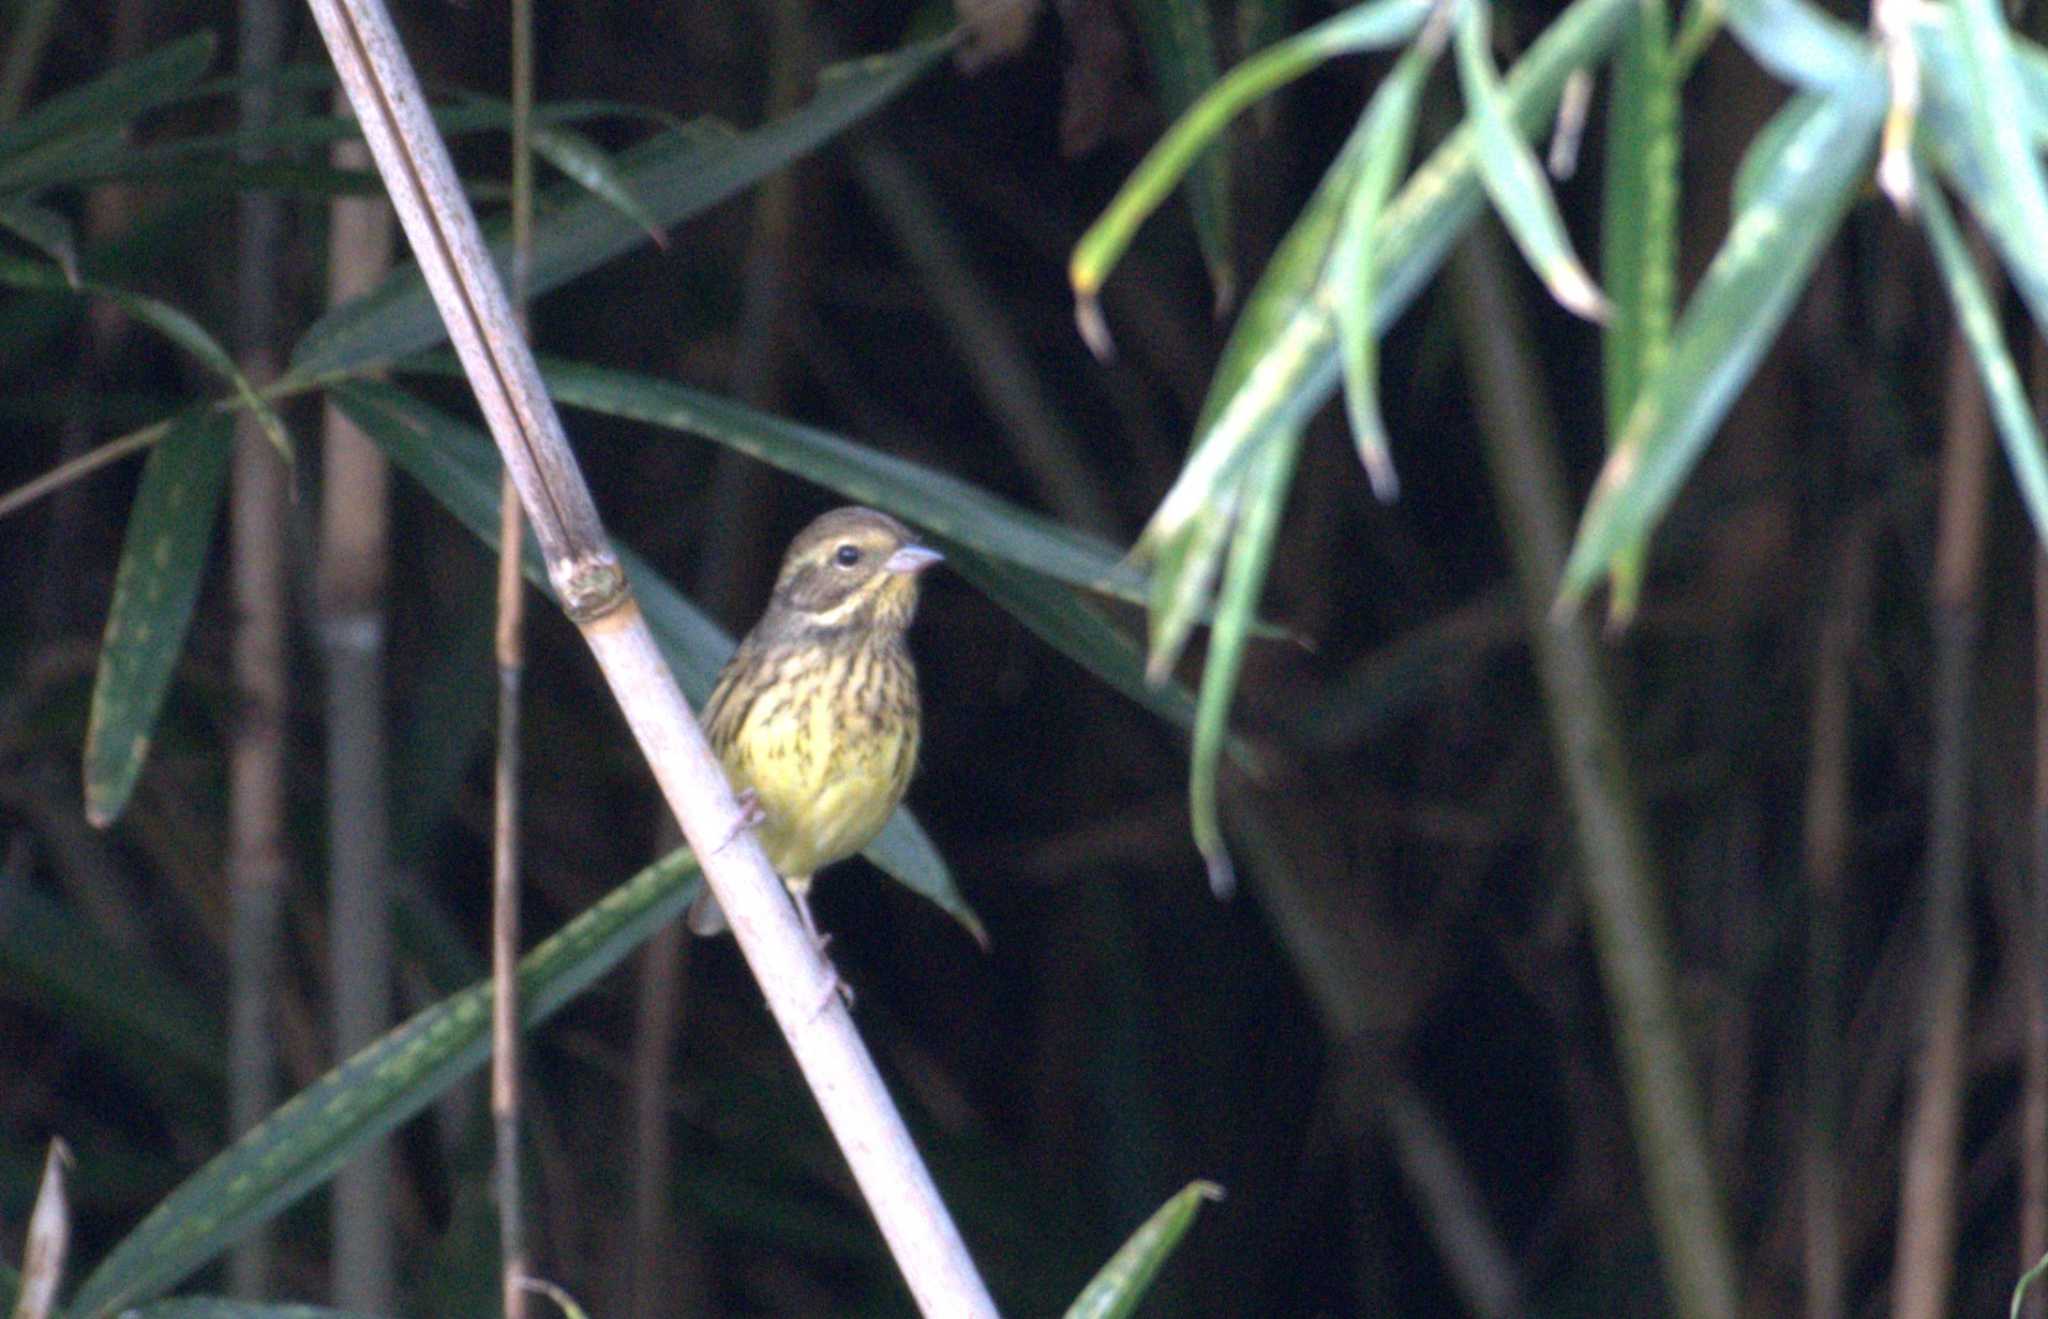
(163, 558)
(1281, 363)
(45, 229)
(1251, 550)
(117, 97)
(1122, 1283)
(1639, 239)
(931, 500)
(2011, 197)
(1512, 178)
(120, 1004)
(1977, 314)
(588, 164)
(1181, 49)
(166, 320)
(1805, 47)
(459, 467)
(2028, 1279)
(1070, 624)
(300, 1145)
(1372, 26)
(1799, 200)
(1390, 136)
(675, 176)
(215, 1307)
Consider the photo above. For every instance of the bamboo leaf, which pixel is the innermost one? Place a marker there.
(1389, 138)
(46, 230)
(1251, 551)
(163, 557)
(166, 320)
(459, 468)
(1977, 314)
(1070, 624)
(298, 1147)
(2010, 196)
(1372, 26)
(1800, 198)
(675, 175)
(588, 164)
(2027, 1280)
(1122, 1283)
(1281, 363)
(1639, 240)
(1803, 46)
(934, 501)
(216, 1307)
(1181, 50)
(1512, 178)
(119, 96)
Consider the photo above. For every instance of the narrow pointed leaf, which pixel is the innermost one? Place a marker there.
(300, 1146)
(1977, 314)
(1639, 240)
(1122, 1283)
(2012, 200)
(931, 500)
(675, 176)
(119, 96)
(459, 468)
(1065, 620)
(1376, 25)
(1799, 200)
(166, 320)
(2027, 1280)
(218, 1307)
(1281, 363)
(163, 558)
(1804, 46)
(1251, 551)
(1390, 136)
(46, 230)
(590, 165)
(1180, 47)
(1513, 179)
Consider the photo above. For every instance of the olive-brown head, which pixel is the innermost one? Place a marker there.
(851, 571)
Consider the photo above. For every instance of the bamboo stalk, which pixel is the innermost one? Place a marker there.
(1923, 1275)
(353, 568)
(1637, 965)
(510, 651)
(801, 991)
(256, 862)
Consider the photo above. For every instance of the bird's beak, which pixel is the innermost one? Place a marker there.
(912, 560)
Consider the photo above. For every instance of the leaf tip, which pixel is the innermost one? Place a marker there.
(1222, 875)
(1088, 319)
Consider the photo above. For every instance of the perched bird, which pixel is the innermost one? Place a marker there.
(815, 716)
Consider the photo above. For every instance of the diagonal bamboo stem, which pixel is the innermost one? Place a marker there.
(799, 987)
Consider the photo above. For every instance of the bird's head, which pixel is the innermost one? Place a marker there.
(851, 569)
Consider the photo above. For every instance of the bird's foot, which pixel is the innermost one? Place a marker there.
(836, 986)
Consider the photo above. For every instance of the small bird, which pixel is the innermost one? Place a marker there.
(815, 717)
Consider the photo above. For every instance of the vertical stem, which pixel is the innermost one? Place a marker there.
(1825, 847)
(354, 557)
(1637, 965)
(511, 663)
(2033, 971)
(1925, 1250)
(256, 773)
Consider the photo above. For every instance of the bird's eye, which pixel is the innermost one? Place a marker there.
(847, 555)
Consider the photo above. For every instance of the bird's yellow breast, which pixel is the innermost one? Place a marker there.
(827, 744)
